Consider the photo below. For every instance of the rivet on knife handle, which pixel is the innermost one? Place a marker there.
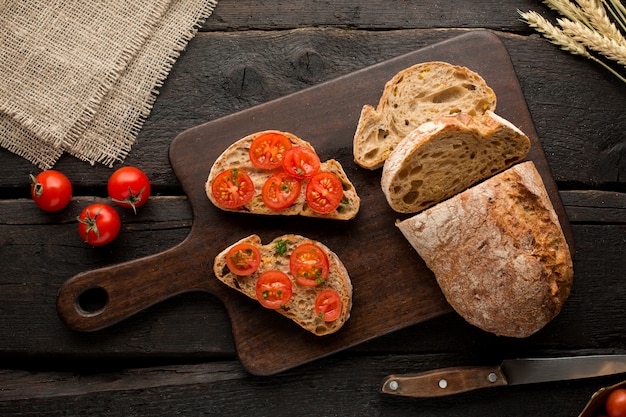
(446, 381)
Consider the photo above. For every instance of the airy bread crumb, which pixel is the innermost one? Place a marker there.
(445, 156)
(412, 97)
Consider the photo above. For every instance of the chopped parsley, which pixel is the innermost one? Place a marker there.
(344, 202)
(281, 247)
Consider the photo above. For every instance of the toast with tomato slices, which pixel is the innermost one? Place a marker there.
(321, 306)
(236, 184)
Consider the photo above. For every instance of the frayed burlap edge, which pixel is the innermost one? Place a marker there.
(104, 144)
(22, 142)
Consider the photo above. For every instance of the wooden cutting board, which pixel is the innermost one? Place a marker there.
(393, 288)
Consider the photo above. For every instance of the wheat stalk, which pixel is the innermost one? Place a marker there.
(590, 28)
(617, 10)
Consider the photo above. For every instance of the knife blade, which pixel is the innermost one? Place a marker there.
(455, 380)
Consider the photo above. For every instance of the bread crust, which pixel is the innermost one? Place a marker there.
(498, 252)
(416, 95)
(300, 308)
(236, 156)
(447, 155)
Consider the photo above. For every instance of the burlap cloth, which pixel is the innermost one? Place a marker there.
(81, 77)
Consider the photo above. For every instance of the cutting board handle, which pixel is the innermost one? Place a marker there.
(99, 298)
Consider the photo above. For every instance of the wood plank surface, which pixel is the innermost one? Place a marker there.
(579, 124)
(370, 15)
(179, 357)
(202, 325)
(351, 389)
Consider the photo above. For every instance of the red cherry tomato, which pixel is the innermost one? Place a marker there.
(328, 305)
(301, 162)
(324, 192)
(309, 265)
(616, 403)
(280, 191)
(51, 190)
(268, 149)
(129, 187)
(273, 289)
(243, 259)
(98, 224)
(232, 188)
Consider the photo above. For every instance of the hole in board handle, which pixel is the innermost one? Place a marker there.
(92, 301)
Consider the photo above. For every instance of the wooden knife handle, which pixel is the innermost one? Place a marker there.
(445, 381)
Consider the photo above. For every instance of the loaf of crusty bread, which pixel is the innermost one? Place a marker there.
(498, 252)
(300, 308)
(236, 156)
(447, 155)
(412, 97)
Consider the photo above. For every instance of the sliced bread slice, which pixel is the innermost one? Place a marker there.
(301, 308)
(412, 97)
(445, 156)
(498, 252)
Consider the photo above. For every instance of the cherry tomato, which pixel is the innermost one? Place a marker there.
(98, 224)
(273, 289)
(268, 149)
(232, 188)
(129, 187)
(328, 305)
(616, 403)
(280, 190)
(324, 192)
(243, 259)
(309, 265)
(301, 162)
(51, 190)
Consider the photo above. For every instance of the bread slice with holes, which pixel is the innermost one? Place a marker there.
(444, 157)
(498, 252)
(237, 156)
(416, 95)
(301, 307)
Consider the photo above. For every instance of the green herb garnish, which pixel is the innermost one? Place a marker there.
(281, 247)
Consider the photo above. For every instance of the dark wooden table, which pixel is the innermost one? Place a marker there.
(178, 357)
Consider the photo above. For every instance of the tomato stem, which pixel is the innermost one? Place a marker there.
(132, 199)
(36, 185)
(91, 224)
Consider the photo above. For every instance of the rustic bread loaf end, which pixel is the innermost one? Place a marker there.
(498, 252)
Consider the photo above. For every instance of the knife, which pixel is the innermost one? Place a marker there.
(455, 380)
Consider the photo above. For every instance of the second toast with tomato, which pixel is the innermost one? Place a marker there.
(277, 173)
(300, 278)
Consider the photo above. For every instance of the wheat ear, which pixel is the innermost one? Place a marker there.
(608, 47)
(554, 34)
(571, 38)
(595, 11)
